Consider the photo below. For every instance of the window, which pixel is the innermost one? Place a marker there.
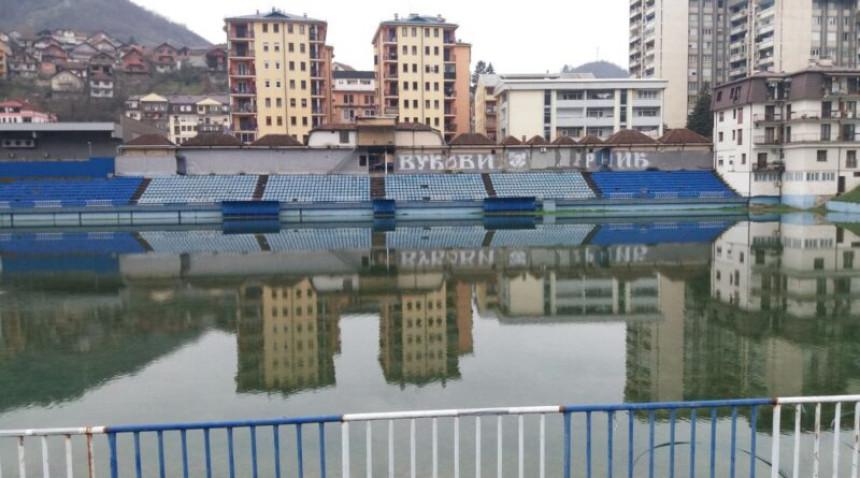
(720, 136)
(825, 132)
(821, 156)
(343, 137)
(740, 137)
(851, 159)
(265, 28)
(293, 120)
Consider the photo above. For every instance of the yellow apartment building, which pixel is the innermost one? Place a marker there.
(423, 73)
(279, 71)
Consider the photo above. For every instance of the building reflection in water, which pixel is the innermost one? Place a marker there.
(766, 309)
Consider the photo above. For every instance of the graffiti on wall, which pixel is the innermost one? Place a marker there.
(522, 160)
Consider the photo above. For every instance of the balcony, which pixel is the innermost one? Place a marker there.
(775, 117)
(241, 33)
(776, 166)
(240, 72)
(391, 110)
(241, 53)
(450, 75)
(768, 140)
(244, 108)
(243, 91)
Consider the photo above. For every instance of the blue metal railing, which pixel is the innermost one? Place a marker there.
(704, 439)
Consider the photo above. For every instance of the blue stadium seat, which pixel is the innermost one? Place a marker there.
(435, 187)
(69, 243)
(659, 233)
(466, 237)
(181, 242)
(540, 185)
(68, 192)
(317, 188)
(341, 238)
(199, 189)
(661, 185)
(543, 236)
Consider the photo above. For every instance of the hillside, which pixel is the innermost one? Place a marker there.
(600, 69)
(119, 18)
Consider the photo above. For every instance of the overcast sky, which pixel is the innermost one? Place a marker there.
(523, 37)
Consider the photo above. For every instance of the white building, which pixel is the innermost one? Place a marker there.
(576, 105)
(696, 44)
(804, 270)
(789, 137)
(181, 117)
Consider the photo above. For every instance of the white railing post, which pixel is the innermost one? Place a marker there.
(774, 451)
(837, 424)
(344, 447)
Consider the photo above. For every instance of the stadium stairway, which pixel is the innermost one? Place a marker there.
(488, 185)
(377, 187)
(140, 190)
(261, 187)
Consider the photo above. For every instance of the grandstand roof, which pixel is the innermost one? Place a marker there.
(277, 140)
(683, 136)
(630, 136)
(213, 139)
(537, 140)
(591, 139)
(564, 141)
(150, 140)
(472, 139)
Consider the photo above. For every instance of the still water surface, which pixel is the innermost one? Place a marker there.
(107, 327)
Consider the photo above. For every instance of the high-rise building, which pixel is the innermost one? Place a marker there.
(279, 70)
(702, 43)
(423, 73)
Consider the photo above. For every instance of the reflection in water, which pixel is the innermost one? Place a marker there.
(712, 310)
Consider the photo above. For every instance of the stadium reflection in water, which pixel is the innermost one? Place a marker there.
(558, 313)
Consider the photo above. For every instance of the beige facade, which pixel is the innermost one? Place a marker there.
(703, 43)
(485, 109)
(279, 70)
(554, 105)
(423, 73)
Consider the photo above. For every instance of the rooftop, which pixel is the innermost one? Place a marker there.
(150, 140)
(213, 139)
(277, 140)
(630, 136)
(59, 127)
(471, 139)
(353, 74)
(417, 20)
(275, 16)
(683, 136)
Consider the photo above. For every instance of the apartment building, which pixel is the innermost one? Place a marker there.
(789, 137)
(699, 44)
(486, 107)
(423, 73)
(279, 71)
(575, 105)
(353, 95)
(181, 117)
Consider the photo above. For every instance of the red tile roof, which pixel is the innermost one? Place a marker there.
(472, 139)
(213, 139)
(629, 136)
(511, 141)
(565, 141)
(413, 127)
(683, 136)
(277, 140)
(591, 139)
(150, 140)
(536, 140)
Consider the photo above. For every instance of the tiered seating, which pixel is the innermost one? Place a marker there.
(342, 238)
(659, 233)
(317, 188)
(199, 189)
(181, 242)
(466, 237)
(69, 243)
(661, 185)
(543, 236)
(540, 185)
(68, 192)
(435, 187)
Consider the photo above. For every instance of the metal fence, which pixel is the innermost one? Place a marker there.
(745, 437)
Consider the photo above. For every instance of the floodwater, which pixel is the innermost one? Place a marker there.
(114, 327)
